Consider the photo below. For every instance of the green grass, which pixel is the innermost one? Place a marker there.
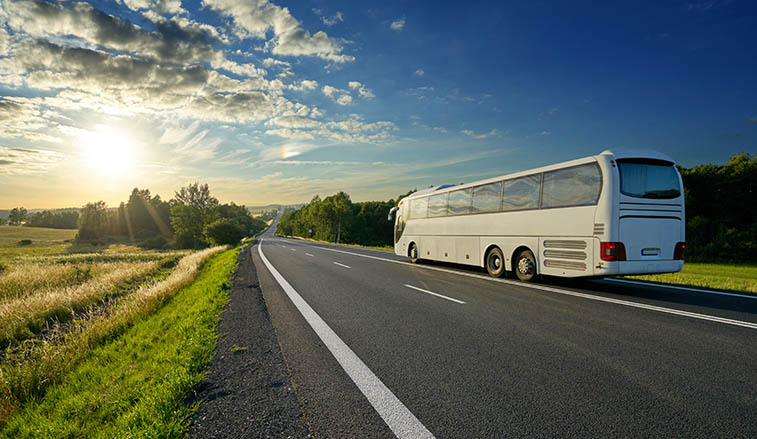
(136, 385)
(741, 278)
(44, 241)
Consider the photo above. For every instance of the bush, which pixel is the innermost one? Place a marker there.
(25, 242)
(225, 232)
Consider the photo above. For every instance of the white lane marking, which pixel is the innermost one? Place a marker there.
(698, 290)
(342, 265)
(435, 294)
(399, 419)
(568, 292)
(308, 254)
(294, 250)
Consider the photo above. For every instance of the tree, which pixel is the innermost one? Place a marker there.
(147, 216)
(17, 216)
(53, 220)
(3, 221)
(225, 231)
(191, 211)
(94, 222)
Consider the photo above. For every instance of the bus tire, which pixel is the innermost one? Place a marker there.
(495, 262)
(413, 253)
(525, 266)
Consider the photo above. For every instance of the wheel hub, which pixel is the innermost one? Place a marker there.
(525, 266)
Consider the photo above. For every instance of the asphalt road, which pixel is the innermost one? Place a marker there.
(496, 358)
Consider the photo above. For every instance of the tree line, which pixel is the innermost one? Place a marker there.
(338, 219)
(721, 214)
(65, 219)
(192, 219)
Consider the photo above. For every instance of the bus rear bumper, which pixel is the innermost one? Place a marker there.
(642, 267)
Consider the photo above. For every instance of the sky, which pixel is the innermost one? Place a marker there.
(275, 102)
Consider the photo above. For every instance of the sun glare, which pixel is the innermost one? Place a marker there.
(108, 151)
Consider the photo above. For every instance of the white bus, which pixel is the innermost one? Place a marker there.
(619, 212)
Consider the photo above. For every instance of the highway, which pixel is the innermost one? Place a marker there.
(379, 347)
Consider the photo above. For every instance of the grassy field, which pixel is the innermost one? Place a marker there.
(741, 278)
(62, 303)
(136, 385)
(44, 241)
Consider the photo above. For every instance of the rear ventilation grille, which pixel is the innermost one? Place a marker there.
(599, 228)
(565, 254)
(557, 243)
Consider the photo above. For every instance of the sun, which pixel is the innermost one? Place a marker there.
(108, 151)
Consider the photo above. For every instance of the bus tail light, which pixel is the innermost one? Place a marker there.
(678, 254)
(612, 251)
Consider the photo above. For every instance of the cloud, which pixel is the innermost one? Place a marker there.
(398, 25)
(481, 135)
(293, 122)
(330, 21)
(752, 121)
(256, 19)
(361, 89)
(545, 133)
(341, 97)
(16, 161)
(419, 72)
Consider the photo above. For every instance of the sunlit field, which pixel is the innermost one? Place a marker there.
(739, 278)
(59, 301)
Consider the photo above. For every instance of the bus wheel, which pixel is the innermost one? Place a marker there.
(495, 262)
(413, 254)
(525, 266)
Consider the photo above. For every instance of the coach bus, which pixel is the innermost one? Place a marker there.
(619, 212)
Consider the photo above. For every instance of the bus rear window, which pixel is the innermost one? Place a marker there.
(648, 179)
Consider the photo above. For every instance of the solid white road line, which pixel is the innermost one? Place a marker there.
(435, 294)
(676, 287)
(399, 419)
(342, 265)
(692, 315)
(308, 254)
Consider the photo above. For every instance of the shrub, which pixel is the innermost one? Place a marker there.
(25, 242)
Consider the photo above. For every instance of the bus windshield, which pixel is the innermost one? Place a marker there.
(648, 179)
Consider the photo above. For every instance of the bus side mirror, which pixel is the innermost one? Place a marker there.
(391, 213)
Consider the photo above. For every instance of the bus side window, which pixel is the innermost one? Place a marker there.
(487, 198)
(460, 202)
(418, 208)
(521, 193)
(574, 186)
(437, 205)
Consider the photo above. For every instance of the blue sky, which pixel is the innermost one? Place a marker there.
(273, 102)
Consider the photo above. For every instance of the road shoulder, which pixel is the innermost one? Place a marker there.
(247, 391)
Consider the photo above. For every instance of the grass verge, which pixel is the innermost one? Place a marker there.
(25, 376)
(741, 278)
(135, 385)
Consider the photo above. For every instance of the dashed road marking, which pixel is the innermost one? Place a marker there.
(435, 294)
(342, 265)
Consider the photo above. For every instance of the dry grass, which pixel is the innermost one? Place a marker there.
(24, 316)
(25, 376)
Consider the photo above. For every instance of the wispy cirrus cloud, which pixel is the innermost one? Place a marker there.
(17, 161)
(480, 136)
